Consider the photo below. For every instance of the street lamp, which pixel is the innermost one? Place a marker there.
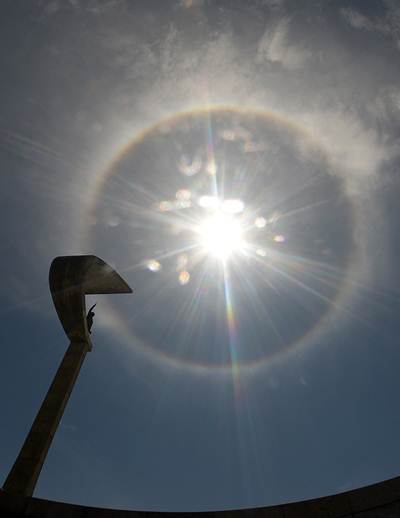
(70, 279)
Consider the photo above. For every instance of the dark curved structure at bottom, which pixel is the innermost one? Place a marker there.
(380, 500)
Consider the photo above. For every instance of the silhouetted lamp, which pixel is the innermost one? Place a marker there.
(70, 278)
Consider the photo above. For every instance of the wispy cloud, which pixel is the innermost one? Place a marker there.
(352, 148)
(357, 19)
(275, 47)
(388, 23)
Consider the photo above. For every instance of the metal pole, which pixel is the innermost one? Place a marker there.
(23, 476)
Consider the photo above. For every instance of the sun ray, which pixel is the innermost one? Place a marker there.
(256, 304)
(232, 219)
(230, 319)
(304, 208)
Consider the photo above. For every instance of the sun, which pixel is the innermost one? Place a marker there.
(221, 235)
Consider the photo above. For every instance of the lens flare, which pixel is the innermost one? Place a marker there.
(184, 278)
(209, 202)
(260, 222)
(153, 265)
(221, 235)
(221, 197)
(233, 206)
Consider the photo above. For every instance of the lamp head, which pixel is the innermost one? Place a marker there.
(72, 277)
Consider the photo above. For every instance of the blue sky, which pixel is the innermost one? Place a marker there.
(272, 379)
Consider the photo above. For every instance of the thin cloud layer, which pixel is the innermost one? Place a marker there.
(275, 48)
(387, 24)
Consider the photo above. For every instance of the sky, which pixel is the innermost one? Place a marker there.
(238, 164)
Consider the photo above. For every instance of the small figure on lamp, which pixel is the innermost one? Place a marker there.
(89, 318)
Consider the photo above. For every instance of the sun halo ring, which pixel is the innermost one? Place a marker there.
(314, 334)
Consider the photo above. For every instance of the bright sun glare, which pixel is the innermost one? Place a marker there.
(221, 235)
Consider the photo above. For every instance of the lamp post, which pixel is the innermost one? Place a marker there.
(70, 279)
